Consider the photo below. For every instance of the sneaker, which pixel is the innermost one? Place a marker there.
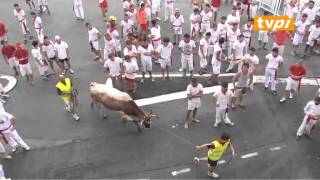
(186, 126)
(230, 124)
(13, 149)
(216, 125)
(291, 96)
(196, 160)
(142, 80)
(152, 80)
(212, 174)
(274, 93)
(71, 71)
(196, 120)
(76, 117)
(180, 70)
(282, 100)
(67, 108)
(159, 19)
(27, 148)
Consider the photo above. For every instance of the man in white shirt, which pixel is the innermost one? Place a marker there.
(49, 53)
(222, 27)
(206, 16)
(311, 11)
(177, 20)
(291, 10)
(168, 11)
(20, 16)
(130, 69)
(232, 35)
(233, 18)
(43, 5)
(131, 51)
(272, 69)
(223, 100)
(9, 132)
(155, 36)
(203, 52)
(253, 60)
(127, 4)
(146, 52)
(314, 34)
(213, 39)
(126, 27)
(38, 27)
(41, 63)
(165, 53)
(194, 94)
(94, 37)
(247, 31)
(113, 68)
(302, 27)
(109, 46)
(186, 46)
(156, 5)
(78, 9)
(217, 58)
(237, 51)
(195, 20)
(62, 54)
(312, 115)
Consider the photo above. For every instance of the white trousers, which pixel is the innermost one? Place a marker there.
(168, 12)
(13, 138)
(306, 126)
(78, 10)
(40, 35)
(230, 45)
(222, 115)
(270, 77)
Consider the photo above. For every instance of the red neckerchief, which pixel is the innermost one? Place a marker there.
(206, 11)
(225, 93)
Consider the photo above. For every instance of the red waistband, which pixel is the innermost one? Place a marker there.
(25, 61)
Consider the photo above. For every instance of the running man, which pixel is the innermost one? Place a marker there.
(216, 150)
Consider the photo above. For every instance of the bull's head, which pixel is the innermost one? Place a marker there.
(146, 122)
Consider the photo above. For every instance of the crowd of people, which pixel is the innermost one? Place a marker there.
(135, 44)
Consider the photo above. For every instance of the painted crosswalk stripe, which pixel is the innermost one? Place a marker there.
(182, 171)
(249, 155)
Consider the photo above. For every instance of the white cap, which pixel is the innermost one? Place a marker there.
(57, 37)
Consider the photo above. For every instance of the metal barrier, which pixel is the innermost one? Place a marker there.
(271, 6)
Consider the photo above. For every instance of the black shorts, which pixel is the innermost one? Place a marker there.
(63, 60)
(212, 163)
(53, 58)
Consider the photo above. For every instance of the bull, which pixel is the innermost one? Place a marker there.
(116, 100)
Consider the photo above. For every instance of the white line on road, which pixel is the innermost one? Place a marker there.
(222, 161)
(182, 171)
(249, 155)
(276, 148)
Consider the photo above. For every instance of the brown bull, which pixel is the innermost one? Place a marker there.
(115, 100)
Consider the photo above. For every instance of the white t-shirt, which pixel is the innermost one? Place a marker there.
(222, 29)
(130, 52)
(314, 32)
(232, 19)
(5, 120)
(130, 69)
(177, 21)
(187, 48)
(110, 45)
(195, 18)
(49, 49)
(156, 33)
(133, 15)
(206, 16)
(143, 51)
(311, 13)
(193, 91)
(93, 34)
(36, 53)
(204, 43)
(239, 49)
(216, 50)
(126, 4)
(301, 26)
(114, 34)
(223, 99)
(37, 23)
(127, 26)
(247, 31)
(252, 60)
(61, 49)
(19, 15)
(214, 36)
(165, 51)
(114, 66)
(233, 35)
(291, 11)
(312, 109)
(273, 62)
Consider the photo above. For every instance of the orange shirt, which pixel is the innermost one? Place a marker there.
(142, 17)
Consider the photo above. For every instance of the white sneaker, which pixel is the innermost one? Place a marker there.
(283, 99)
(142, 80)
(180, 70)
(212, 174)
(71, 71)
(76, 117)
(230, 124)
(27, 148)
(152, 80)
(216, 125)
(196, 160)
(13, 149)
(67, 108)
(196, 120)
(291, 95)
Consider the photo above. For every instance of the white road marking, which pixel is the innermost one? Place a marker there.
(207, 90)
(174, 173)
(222, 161)
(249, 155)
(276, 148)
(181, 75)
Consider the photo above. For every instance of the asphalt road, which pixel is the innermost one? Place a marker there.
(96, 148)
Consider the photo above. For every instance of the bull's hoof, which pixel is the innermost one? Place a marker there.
(104, 116)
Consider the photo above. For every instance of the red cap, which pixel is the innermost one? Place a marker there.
(19, 45)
